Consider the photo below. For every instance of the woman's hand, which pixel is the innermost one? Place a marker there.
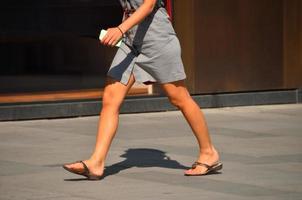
(112, 37)
(115, 34)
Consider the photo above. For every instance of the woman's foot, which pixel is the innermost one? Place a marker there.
(209, 158)
(94, 168)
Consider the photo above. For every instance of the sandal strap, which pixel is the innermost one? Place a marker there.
(200, 164)
(85, 167)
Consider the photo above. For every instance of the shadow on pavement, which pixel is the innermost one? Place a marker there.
(140, 157)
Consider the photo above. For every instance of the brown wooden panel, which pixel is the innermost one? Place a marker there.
(184, 23)
(239, 45)
(292, 43)
(231, 45)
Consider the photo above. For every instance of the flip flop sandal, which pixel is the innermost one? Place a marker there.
(210, 168)
(86, 172)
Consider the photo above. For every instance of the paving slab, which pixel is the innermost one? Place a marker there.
(260, 147)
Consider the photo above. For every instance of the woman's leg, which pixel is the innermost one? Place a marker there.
(114, 94)
(181, 98)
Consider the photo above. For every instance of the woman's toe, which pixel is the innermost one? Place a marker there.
(76, 167)
(189, 171)
(197, 170)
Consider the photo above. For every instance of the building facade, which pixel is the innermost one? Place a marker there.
(48, 46)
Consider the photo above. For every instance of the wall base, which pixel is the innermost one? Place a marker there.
(59, 109)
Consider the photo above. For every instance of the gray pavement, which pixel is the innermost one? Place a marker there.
(260, 147)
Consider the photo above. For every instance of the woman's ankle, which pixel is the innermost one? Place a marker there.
(96, 160)
(208, 150)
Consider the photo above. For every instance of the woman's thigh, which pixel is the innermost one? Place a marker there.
(114, 91)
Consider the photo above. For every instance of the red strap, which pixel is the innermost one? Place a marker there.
(169, 8)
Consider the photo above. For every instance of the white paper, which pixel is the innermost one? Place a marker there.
(103, 33)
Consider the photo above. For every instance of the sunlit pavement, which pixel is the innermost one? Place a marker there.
(260, 147)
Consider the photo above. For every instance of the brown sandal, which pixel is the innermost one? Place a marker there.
(210, 168)
(86, 172)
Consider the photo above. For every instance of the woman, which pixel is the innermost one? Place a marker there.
(150, 52)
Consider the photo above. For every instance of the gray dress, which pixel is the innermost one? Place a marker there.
(150, 50)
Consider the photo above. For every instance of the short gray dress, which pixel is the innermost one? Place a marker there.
(150, 50)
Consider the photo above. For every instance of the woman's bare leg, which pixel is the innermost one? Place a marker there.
(181, 98)
(114, 94)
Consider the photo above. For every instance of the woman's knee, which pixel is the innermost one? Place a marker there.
(112, 96)
(177, 93)
(179, 100)
(110, 99)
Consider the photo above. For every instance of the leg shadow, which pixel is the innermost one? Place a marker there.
(143, 157)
